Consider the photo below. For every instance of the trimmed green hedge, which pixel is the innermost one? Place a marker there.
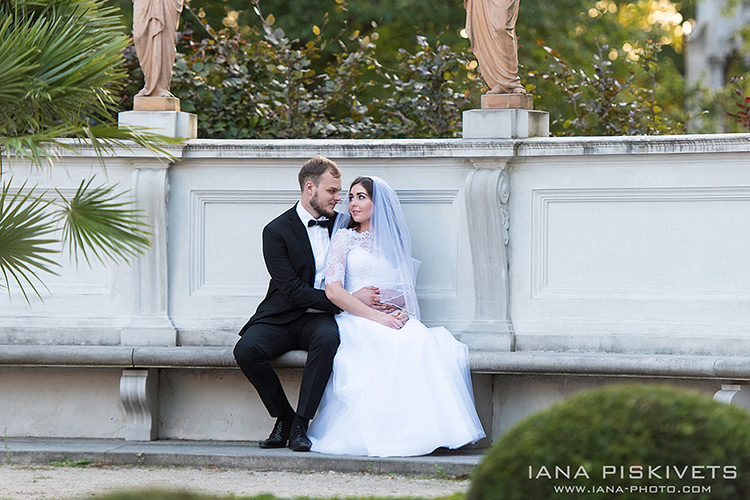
(184, 495)
(161, 495)
(622, 442)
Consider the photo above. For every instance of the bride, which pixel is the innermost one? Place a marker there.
(398, 388)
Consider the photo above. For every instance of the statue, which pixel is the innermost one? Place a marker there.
(155, 38)
(491, 27)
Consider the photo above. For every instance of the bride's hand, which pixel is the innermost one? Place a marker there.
(400, 315)
(394, 320)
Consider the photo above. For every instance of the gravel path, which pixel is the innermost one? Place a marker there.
(45, 482)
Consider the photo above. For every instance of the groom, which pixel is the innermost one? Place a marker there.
(295, 314)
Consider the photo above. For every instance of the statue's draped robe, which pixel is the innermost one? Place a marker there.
(155, 38)
(490, 25)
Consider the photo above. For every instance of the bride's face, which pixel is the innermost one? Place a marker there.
(360, 204)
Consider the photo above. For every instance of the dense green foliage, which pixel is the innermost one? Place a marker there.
(604, 104)
(575, 30)
(270, 86)
(629, 426)
(397, 21)
(185, 495)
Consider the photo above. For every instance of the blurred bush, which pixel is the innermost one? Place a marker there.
(741, 117)
(630, 426)
(429, 91)
(184, 495)
(267, 86)
(604, 103)
(157, 495)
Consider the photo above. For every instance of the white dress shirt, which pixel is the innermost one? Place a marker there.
(319, 241)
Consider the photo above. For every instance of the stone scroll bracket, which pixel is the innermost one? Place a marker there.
(139, 396)
(487, 195)
(150, 323)
(734, 393)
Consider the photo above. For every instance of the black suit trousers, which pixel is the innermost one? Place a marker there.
(316, 333)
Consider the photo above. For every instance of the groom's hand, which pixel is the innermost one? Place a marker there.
(369, 295)
(386, 308)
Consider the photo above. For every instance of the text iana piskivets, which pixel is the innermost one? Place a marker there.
(692, 472)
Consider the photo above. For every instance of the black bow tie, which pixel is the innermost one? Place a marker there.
(325, 223)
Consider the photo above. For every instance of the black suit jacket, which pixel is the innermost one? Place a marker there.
(290, 262)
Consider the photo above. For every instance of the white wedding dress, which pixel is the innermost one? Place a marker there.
(392, 392)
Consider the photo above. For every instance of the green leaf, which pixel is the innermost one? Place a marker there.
(97, 223)
(26, 227)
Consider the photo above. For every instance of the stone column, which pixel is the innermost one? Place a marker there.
(150, 322)
(487, 194)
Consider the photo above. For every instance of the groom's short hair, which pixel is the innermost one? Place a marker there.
(314, 168)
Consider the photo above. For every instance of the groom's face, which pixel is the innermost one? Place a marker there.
(325, 196)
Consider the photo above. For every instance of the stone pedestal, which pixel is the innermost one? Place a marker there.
(507, 101)
(505, 123)
(169, 123)
(505, 116)
(156, 104)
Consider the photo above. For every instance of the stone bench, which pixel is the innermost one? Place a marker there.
(138, 389)
(733, 368)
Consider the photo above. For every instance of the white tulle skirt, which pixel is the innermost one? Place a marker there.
(395, 392)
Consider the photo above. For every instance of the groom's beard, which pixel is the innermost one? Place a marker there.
(326, 210)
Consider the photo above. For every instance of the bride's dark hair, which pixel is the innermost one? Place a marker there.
(367, 184)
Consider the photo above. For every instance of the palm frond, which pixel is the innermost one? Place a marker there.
(25, 226)
(97, 223)
(38, 148)
(60, 70)
(15, 60)
(35, 147)
(104, 138)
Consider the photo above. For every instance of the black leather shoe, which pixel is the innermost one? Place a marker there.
(298, 439)
(279, 435)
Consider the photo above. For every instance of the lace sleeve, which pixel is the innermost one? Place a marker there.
(336, 261)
